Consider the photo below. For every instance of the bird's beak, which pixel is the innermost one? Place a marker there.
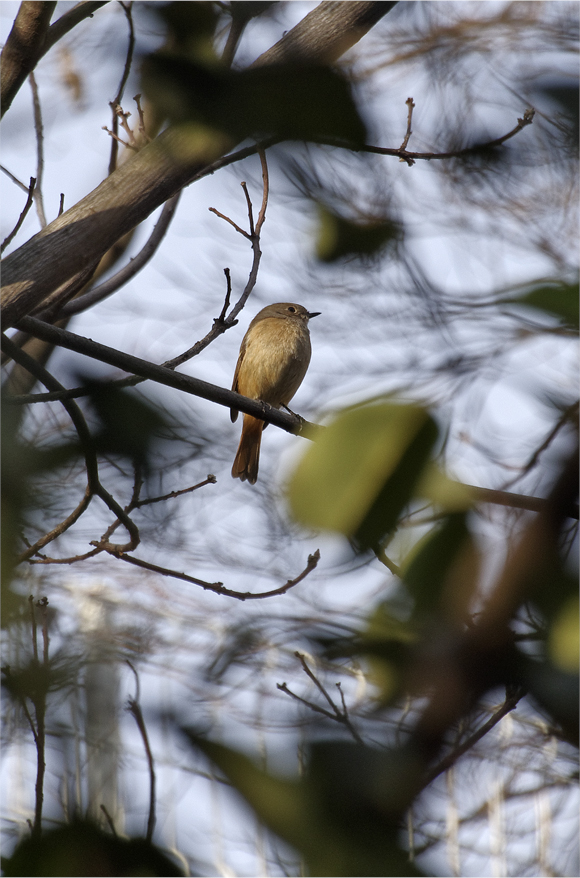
(312, 314)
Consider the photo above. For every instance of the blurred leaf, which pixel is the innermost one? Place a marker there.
(20, 463)
(343, 815)
(280, 803)
(83, 849)
(557, 692)
(556, 298)
(362, 471)
(129, 424)
(425, 575)
(285, 101)
(564, 637)
(339, 237)
(191, 28)
(441, 491)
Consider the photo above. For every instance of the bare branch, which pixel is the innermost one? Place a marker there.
(161, 374)
(448, 761)
(70, 19)
(411, 157)
(39, 130)
(410, 107)
(219, 587)
(325, 33)
(22, 216)
(124, 199)
(94, 486)
(23, 48)
(135, 710)
(134, 266)
(13, 178)
(116, 102)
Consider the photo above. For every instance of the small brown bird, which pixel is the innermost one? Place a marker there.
(274, 356)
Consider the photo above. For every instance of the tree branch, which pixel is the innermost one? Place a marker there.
(22, 216)
(158, 171)
(163, 375)
(325, 33)
(23, 48)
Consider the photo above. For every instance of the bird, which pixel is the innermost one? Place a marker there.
(273, 359)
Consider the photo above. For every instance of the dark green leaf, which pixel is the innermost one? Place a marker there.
(285, 101)
(339, 237)
(556, 298)
(362, 471)
(426, 574)
(84, 849)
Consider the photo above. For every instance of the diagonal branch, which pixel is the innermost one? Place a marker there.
(86, 231)
(23, 48)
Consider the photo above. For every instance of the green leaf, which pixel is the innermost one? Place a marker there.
(555, 298)
(284, 101)
(427, 573)
(82, 848)
(362, 470)
(280, 803)
(343, 815)
(564, 637)
(339, 237)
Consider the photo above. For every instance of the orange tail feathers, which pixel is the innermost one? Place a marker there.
(248, 453)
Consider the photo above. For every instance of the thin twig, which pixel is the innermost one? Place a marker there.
(61, 205)
(211, 480)
(315, 707)
(410, 107)
(110, 286)
(230, 221)
(22, 216)
(134, 708)
(218, 587)
(33, 628)
(115, 103)
(43, 605)
(94, 486)
(109, 820)
(38, 127)
(569, 414)
(509, 704)
(224, 310)
(526, 120)
(13, 178)
(336, 714)
(142, 126)
(384, 559)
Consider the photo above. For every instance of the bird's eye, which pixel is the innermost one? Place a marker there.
(292, 309)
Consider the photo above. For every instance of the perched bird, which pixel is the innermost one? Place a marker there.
(274, 356)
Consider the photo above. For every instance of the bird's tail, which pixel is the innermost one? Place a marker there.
(248, 453)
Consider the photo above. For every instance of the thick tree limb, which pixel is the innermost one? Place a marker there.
(31, 38)
(325, 33)
(23, 47)
(122, 201)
